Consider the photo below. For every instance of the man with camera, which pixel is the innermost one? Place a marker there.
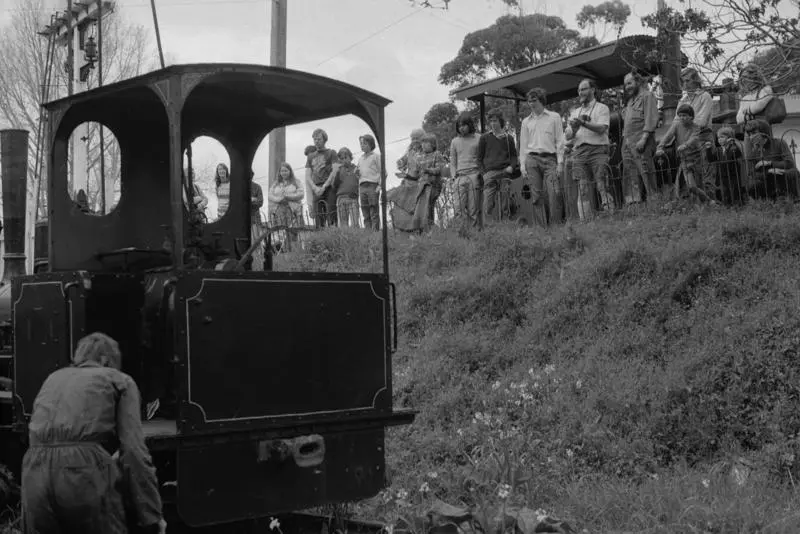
(588, 131)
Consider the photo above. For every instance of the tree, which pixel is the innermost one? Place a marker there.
(511, 43)
(609, 15)
(440, 120)
(23, 73)
(720, 36)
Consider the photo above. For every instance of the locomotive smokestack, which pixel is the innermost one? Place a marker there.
(14, 161)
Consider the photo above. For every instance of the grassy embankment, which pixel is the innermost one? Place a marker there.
(626, 376)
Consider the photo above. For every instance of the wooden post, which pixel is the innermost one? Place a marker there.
(277, 58)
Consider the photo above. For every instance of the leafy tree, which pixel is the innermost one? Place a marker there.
(511, 43)
(609, 15)
(720, 36)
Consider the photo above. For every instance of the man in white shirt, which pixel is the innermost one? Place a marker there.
(588, 132)
(541, 135)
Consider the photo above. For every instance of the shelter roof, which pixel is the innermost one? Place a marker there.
(607, 64)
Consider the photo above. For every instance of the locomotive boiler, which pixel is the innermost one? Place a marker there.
(251, 413)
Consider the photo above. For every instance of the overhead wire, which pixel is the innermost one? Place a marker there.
(370, 36)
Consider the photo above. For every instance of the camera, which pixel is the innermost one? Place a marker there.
(586, 118)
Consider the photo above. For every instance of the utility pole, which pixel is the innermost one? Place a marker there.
(277, 58)
(71, 31)
(670, 68)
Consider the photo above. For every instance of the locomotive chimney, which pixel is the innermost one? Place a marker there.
(14, 161)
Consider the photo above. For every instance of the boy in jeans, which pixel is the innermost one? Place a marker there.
(688, 146)
(369, 179)
(344, 181)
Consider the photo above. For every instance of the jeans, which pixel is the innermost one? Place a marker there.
(495, 182)
(635, 166)
(368, 197)
(468, 188)
(347, 212)
(542, 172)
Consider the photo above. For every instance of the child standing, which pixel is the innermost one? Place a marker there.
(686, 135)
(344, 183)
(430, 165)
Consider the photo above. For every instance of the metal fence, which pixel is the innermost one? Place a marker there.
(730, 176)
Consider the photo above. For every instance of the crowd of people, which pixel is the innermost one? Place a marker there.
(337, 190)
(596, 159)
(571, 164)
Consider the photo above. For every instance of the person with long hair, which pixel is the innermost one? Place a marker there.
(222, 179)
(285, 196)
(464, 161)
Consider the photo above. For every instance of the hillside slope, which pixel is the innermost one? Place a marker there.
(638, 375)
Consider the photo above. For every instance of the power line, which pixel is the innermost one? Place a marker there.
(194, 3)
(370, 36)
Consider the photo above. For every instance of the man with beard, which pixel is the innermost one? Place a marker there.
(588, 131)
(640, 118)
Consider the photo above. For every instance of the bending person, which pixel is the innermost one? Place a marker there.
(82, 416)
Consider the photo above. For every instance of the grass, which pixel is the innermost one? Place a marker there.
(637, 375)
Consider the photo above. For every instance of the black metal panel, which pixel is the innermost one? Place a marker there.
(235, 481)
(48, 322)
(290, 347)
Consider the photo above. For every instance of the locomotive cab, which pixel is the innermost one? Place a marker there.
(243, 428)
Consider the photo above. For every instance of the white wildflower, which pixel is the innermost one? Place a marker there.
(503, 491)
(578, 384)
(424, 488)
(570, 454)
(402, 494)
(549, 369)
(434, 474)
(496, 385)
(706, 483)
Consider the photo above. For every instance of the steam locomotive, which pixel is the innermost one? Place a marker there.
(259, 414)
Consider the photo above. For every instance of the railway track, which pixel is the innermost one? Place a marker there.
(296, 523)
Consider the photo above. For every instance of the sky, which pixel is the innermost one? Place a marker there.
(389, 47)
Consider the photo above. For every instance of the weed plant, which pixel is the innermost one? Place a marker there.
(637, 375)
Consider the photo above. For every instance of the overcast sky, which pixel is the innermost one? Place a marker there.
(386, 46)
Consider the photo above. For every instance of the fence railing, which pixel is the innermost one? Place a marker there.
(728, 176)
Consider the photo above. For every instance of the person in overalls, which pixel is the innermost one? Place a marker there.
(88, 469)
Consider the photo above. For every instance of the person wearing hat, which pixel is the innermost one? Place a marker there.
(689, 148)
(403, 199)
(407, 164)
(770, 162)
